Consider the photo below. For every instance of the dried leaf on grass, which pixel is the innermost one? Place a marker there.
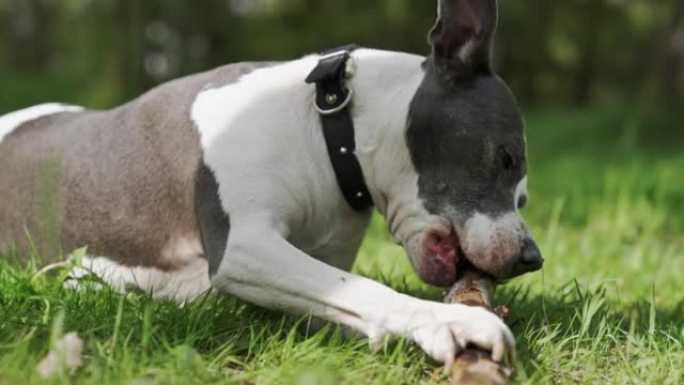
(64, 355)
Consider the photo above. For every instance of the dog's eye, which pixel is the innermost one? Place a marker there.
(506, 159)
(522, 202)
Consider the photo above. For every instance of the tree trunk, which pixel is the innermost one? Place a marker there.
(129, 40)
(672, 74)
(28, 40)
(585, 75)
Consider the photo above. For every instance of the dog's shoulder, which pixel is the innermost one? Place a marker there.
(183, 91)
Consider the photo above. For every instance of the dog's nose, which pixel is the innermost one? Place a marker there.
(530, 258)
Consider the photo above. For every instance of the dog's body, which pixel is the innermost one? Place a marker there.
(141, 166)
(223, 180)
(136, 165)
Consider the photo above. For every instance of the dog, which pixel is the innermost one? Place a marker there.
(224, 180)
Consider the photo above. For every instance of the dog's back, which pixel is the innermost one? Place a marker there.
(120, 181)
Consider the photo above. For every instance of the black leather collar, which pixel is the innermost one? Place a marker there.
(333, 102)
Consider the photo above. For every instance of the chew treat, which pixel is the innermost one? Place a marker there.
(473, 366)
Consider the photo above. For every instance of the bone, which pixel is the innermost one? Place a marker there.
(474, 366)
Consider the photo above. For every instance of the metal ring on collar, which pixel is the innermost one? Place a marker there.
(337, 109)
(334, 54)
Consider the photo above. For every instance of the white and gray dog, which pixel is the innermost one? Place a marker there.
(224, 180)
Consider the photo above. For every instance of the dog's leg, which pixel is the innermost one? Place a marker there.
(181, 285)
(260, 266)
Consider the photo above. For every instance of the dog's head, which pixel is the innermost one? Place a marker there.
(466, 140)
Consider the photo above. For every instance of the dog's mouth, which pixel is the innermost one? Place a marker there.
(466, 268)
(442, 261)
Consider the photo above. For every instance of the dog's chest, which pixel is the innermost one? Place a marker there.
(333, 238)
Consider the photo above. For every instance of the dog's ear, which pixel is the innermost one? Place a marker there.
(463, 37)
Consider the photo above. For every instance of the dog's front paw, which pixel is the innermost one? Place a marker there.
(444, 330)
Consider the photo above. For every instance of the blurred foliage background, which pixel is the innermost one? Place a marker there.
(552, 52)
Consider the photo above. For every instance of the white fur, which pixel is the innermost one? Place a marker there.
(501, 237)
(182, 285)
(11, 121)
(520, 191)
(260, 266)
(467, 49)
(267, 153)
(292, 235)
(386, 82)
(483, 229)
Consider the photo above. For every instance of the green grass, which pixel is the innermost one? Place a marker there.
(607, 203)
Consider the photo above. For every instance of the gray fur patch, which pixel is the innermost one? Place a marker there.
(213, 222)
(125, 178)
(467, 143)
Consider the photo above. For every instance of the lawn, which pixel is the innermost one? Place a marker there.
(607, 198)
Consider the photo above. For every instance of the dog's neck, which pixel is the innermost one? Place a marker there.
(384, 84)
